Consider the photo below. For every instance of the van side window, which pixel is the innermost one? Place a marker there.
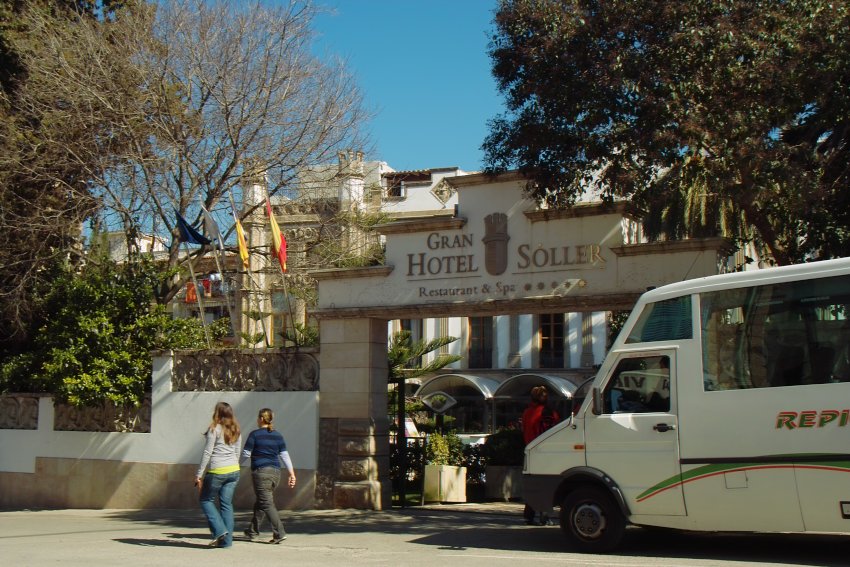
(786, 334)
(667, 320)
(639, 385)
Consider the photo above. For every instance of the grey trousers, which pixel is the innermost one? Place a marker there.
(266, 480)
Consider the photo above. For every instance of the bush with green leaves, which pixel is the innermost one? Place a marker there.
(505, 447)
(96, 329)
(444, 449)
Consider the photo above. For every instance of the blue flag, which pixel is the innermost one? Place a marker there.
(189, 234)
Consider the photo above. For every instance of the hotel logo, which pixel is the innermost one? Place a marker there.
(496, 243)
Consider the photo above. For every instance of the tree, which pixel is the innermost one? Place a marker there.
(47, 143)
(204, 98)
(238, 98)
(725, 118)
(404, 360)
(94, 334)
(405, 356)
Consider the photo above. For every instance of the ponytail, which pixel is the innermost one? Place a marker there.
(266, 417)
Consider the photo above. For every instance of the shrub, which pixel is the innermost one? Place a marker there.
(506, 447)
(444, 449)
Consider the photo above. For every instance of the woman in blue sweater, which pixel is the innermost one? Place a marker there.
(267, 450)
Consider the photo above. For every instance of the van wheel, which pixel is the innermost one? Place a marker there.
(591, 520)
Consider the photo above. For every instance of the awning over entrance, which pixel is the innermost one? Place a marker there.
(451, 382)
(521, 384)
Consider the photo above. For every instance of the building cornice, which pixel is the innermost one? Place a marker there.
(345, 273)
(474, 179)
(583, 210)
(421, 225)
(716, 243)
(528, 305)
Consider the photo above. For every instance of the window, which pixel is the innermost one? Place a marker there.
(480, 342)
(667, 320)
(786, 334)
(552, 340)
(279, 330)
(279, 319)
(639, 385)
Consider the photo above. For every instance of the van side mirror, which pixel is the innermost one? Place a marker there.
(596, 397)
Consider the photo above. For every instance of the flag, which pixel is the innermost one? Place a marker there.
(243, 246)
(278, 240)
(191, 293)
(211, 228)
(189, 234)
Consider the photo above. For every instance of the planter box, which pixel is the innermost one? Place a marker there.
(444, 483)
(502, 482)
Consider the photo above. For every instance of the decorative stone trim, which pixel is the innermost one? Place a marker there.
(19, 411)
(105, 418)
(210, 371)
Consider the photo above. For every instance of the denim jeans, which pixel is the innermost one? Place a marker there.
(219, 517)
(266, 480)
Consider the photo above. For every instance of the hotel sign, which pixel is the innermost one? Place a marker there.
(449, 255)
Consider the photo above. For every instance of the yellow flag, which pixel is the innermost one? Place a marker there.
(278, 240)
(243, 247)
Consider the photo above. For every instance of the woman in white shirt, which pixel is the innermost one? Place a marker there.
(221, 454)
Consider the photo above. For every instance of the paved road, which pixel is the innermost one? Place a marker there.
(447, 536)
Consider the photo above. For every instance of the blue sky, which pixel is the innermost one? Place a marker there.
(424, 70)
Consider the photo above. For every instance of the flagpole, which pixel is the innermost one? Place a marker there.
(198, 293)
(216, 250)
(250, 280)
(283, 277)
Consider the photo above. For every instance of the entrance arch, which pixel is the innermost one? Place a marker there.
(498, 254)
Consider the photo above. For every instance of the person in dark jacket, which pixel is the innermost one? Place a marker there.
(267, 450)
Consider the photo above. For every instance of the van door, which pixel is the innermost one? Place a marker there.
(635, 440)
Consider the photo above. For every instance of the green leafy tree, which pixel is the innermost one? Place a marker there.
(53, 135)
(727, 118)
(95, 333)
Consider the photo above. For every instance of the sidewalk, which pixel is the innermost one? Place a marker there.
(100, 538)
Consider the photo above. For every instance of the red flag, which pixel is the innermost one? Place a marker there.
(191, 294)
(278, 240)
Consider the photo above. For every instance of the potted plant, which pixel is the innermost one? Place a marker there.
(503, 453)
(445, 477)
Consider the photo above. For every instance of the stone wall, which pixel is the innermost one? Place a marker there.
(54, 456)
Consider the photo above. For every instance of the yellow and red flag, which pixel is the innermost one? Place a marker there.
(243, 246)
(278, 240)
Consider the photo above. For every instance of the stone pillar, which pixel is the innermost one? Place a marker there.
(353, 429)
(255, 296)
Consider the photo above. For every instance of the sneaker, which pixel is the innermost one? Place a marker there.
(219, 541)
(251, 536)
(276, 540)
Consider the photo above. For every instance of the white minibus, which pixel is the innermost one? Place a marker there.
(723, 405)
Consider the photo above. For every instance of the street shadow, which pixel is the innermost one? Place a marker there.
(171, 540)
(770, 549)
(454, 530)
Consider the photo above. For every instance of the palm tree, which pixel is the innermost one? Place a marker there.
(404, 359)
(405, 356)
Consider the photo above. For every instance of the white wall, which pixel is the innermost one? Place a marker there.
(178, 421)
